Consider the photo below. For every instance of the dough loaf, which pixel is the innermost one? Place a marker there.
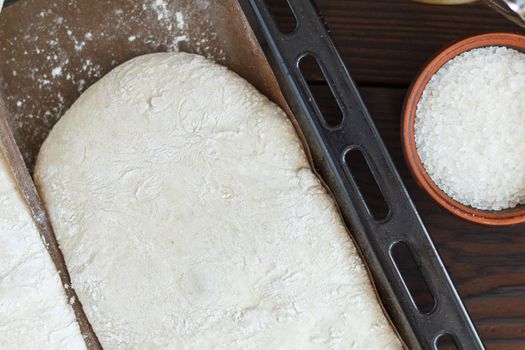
(189, 218)
(34, 312)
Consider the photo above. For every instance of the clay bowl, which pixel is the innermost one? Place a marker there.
(495, 218)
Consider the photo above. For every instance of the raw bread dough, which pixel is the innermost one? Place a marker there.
(190, 219)
(34, 313)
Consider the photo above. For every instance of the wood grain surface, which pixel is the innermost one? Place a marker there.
(384, 44)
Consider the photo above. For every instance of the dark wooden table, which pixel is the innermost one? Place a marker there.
(384, 44)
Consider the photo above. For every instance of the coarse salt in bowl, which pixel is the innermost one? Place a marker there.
(464, 128)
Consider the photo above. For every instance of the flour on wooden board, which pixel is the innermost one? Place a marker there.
(72, 57)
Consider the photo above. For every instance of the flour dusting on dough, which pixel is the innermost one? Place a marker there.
(189, 218)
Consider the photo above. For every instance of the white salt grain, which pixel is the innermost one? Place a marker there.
(470, 128)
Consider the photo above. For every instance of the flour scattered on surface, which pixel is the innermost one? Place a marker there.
(93, 70)
(81, 84)
(68, 51)
(180, 20)
(57, 71)
(79, 45)
(161, 7)
(176, 42)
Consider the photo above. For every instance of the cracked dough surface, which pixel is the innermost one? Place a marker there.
(34, 312)
(189, 218)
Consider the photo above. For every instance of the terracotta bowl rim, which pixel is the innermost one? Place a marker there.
(495, 218)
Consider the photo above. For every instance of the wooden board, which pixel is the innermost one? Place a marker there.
(53, 51)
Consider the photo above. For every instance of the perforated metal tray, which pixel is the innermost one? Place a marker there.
(330, 145)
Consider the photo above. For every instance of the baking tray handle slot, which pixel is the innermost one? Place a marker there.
(330, 109)
(415, 283)
(445, 342)
(363, 179)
